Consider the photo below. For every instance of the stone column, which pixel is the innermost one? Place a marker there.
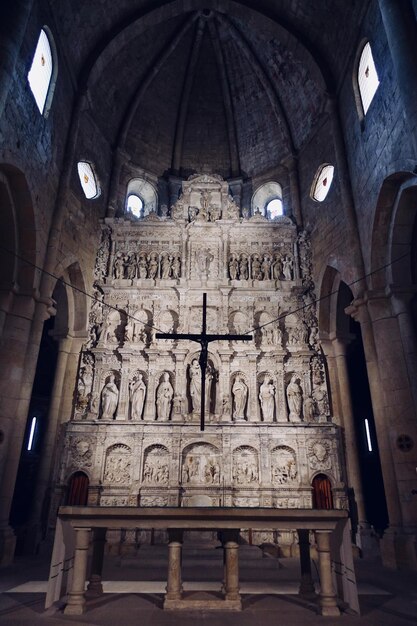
(328, 600)
(401, 30)
(400, 303)
(174, 582)
(306, 587)
(95, 587)
(231, 567)
(48, 448)
(21, 339)
(360, 313)
(76, 597)
(352, 459)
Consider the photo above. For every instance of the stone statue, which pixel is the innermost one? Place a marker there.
(287, 267)
(295, 399)
(243, 268)
(176, 267)
(142, 266)
(308, 409)
(118, 266)
(137, 390)
(109, 398)
(129, 328)
(226, 408)
(267, 399)
(266, 267)
(233, 267)
(204, 258)
(256, 268)
(153, 265)
(277, 267)
(164, 395)
(166, 266)
(195, 385)
(130, 262)
(240, 394)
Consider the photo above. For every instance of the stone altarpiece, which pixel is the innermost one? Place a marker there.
(135, 428)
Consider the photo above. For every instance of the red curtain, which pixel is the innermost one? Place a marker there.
(322, 492)
(78, 489)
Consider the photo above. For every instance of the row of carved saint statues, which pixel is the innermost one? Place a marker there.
(261, 266)
(152, 265)
(301, 406)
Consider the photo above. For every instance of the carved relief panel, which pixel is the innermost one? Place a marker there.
(117, 469)
(201, 465)
(283, 465)
(245, 466)
(156, 466)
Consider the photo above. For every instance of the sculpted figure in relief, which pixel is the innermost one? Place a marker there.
(118, 265)
(109, 398)
(256, 268)
(267, 399)
(243, 268)
(176, 267)
(195, 385)
(164, 395)
(142, 266)
(277, 267)
(153, 265)
(240, 394)
(131, 265)
(308, 409)
(233, 267)
(137, 390)
(166, 266)
(295, 399)
(266, 267)
(287, 267)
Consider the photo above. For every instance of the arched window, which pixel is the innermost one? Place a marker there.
(134, 205)
(77, 493)
(268, 200)
(322, 182)
(367, 80)
(43, 72)
(88, 180)
(322, 492)
(141, 197)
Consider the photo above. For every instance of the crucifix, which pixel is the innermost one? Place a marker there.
(203, 339)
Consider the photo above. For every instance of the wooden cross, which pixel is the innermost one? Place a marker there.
(203, 339)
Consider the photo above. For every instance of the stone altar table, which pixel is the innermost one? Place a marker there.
(77, 525)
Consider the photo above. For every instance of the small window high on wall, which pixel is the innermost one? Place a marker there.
(322, 182)
(267, 200)
(367, 77)
(88, 180)
(134, 205)
(43, 71)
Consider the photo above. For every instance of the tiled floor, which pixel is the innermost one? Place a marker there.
(134, 588)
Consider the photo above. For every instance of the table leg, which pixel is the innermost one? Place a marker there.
(76, 597)
(328, 600)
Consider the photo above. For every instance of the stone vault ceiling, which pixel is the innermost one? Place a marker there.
(227, 87)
